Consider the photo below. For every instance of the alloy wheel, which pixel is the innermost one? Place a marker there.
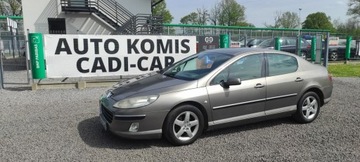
(310, 107)
(186, 126)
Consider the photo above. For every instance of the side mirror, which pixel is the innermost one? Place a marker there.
(229, 82)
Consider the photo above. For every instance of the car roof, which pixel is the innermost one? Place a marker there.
(237, 51)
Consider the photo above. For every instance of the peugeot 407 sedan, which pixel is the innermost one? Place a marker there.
(215, 89)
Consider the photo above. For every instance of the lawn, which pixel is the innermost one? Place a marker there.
(345, 70)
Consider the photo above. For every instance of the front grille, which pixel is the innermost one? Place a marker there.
(107, 114)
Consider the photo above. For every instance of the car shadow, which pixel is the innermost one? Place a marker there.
(92, 133)
(249, 127)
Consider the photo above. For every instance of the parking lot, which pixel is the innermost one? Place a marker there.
(63, 125)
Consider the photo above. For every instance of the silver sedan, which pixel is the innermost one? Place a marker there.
(215, 89)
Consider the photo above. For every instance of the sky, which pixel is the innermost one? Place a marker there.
(259, 12)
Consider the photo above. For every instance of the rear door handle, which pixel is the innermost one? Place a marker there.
(298, 79)
(259, 85)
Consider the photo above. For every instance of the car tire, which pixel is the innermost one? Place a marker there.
(303, 55)
(308, 108)
(334, 56)
(183, 125)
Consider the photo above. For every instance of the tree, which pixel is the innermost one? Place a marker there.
(354, 8)
(196, 18)
(318, 20)
(231, 13)
(10, 7)
(350, 27)
(2, 8)
(15, 7)
(161, 10)
(203, 16)
(191, 18)
(215, 14)
(285, 20)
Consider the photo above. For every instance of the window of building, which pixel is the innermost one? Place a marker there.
(57, 26)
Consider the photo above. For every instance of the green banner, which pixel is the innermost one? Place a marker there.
(36, 48)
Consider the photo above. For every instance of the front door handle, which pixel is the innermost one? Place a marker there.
(259, 85)
(298, 79)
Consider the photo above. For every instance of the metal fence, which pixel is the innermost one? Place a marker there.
(238, 33)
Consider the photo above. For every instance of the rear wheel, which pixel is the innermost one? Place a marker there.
(334, 56)
(303, 55)
(308, 108)
(183, 125)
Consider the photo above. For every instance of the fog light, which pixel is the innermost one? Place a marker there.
(134, 127)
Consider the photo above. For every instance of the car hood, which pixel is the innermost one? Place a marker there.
(150, 84)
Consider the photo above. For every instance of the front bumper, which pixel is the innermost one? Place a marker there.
(150, 124)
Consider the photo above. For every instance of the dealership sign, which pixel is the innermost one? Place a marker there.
(93, 55)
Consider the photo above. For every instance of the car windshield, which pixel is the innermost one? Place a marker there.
(196, 66)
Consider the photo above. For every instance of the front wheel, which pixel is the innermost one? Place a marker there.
(308, 108)
(183, 125)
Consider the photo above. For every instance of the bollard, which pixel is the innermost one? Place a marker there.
(299, 46)
(313, 49)
(224, 41)
(277, 44)
(348, 47)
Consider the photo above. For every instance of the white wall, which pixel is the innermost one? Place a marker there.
(36, 13)
(134, 6)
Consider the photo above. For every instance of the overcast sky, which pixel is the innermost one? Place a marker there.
(259, 12)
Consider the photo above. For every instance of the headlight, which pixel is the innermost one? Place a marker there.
(135, 102)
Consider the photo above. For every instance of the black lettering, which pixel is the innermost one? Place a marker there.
(164, 49)
(169, 61)
(126, 64)
(96, 44)
(78, 65)
(176, 46)
(151, 43)
(98, 65)
(116, 46)
(184, 44)
(85, 45)
(132, 46)
(62, 42)
(111, 65)
(139, 63)
(156, 63)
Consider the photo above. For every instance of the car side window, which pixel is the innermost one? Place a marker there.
(246, 68)
(281, 64)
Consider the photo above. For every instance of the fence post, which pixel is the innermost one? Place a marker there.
(37, 60)
(313, 48)
(224, 41)
(1, 71)
(348, 48)
(277, 44)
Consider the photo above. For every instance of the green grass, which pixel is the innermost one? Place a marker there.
(344, 70)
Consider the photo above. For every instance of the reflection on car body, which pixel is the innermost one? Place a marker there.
(215, 89)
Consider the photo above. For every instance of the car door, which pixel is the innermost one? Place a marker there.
(283, 83)
(239, 102)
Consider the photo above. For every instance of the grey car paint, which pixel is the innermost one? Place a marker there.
(276, 95)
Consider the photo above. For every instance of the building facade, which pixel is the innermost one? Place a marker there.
(97, 17)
